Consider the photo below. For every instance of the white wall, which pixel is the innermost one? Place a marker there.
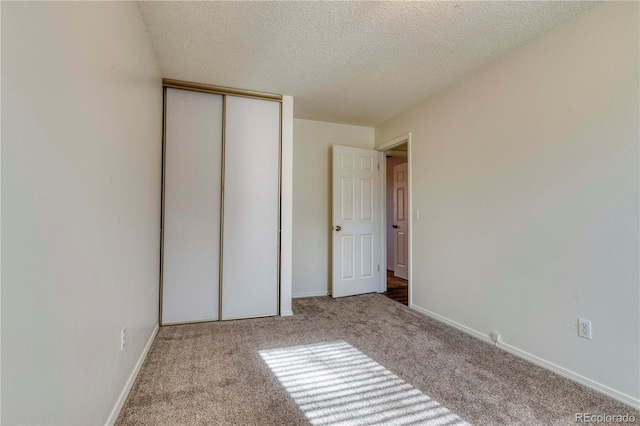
(312, 142)
(391, 161)
(81, 168)
(526, 177)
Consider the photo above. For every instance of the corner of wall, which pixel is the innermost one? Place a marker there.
(286, 213)
(113, 416)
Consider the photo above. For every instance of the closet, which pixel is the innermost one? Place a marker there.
(221, 205)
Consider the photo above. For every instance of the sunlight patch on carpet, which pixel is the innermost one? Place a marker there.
(335, 384)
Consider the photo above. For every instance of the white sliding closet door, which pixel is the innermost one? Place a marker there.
(251, 208)
(193, 171)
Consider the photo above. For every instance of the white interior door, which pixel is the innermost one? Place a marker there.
(192, 176)
(251, 208)
(356, 262)
(400, 221)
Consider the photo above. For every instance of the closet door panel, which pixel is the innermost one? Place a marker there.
(251, 208)
(192, 193)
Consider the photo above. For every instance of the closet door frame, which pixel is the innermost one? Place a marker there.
(224, 91)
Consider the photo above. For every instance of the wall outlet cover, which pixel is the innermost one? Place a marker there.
(584, 328)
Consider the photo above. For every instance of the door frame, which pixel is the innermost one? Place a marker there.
(384, 149)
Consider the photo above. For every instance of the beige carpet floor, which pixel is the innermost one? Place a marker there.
(214, 373)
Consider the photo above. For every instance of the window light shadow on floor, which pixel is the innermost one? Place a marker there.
(335, 384)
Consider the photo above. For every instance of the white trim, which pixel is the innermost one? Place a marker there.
(286, 313)
(132, 378)
(453, 324)
(393, 142)
(592, 384)
(618, 396)
(382, 196)
(310, 294)
(410, 173)
(286, 207)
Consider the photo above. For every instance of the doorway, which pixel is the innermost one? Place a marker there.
(359, 257)
(395, 182)
(396, 224)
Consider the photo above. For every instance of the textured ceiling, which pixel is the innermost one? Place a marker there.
(344, 62)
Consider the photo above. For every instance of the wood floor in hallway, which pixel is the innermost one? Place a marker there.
(397, 289)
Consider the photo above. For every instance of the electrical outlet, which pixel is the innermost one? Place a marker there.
(584, 328)
(123, 339)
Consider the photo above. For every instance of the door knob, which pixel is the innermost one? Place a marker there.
(337, 228)
(395, 226)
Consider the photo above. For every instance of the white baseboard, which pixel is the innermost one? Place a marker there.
(612, 393)
(453, 324)
(286, 313)
(618, 396)
(310, 294)
(132, 378)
